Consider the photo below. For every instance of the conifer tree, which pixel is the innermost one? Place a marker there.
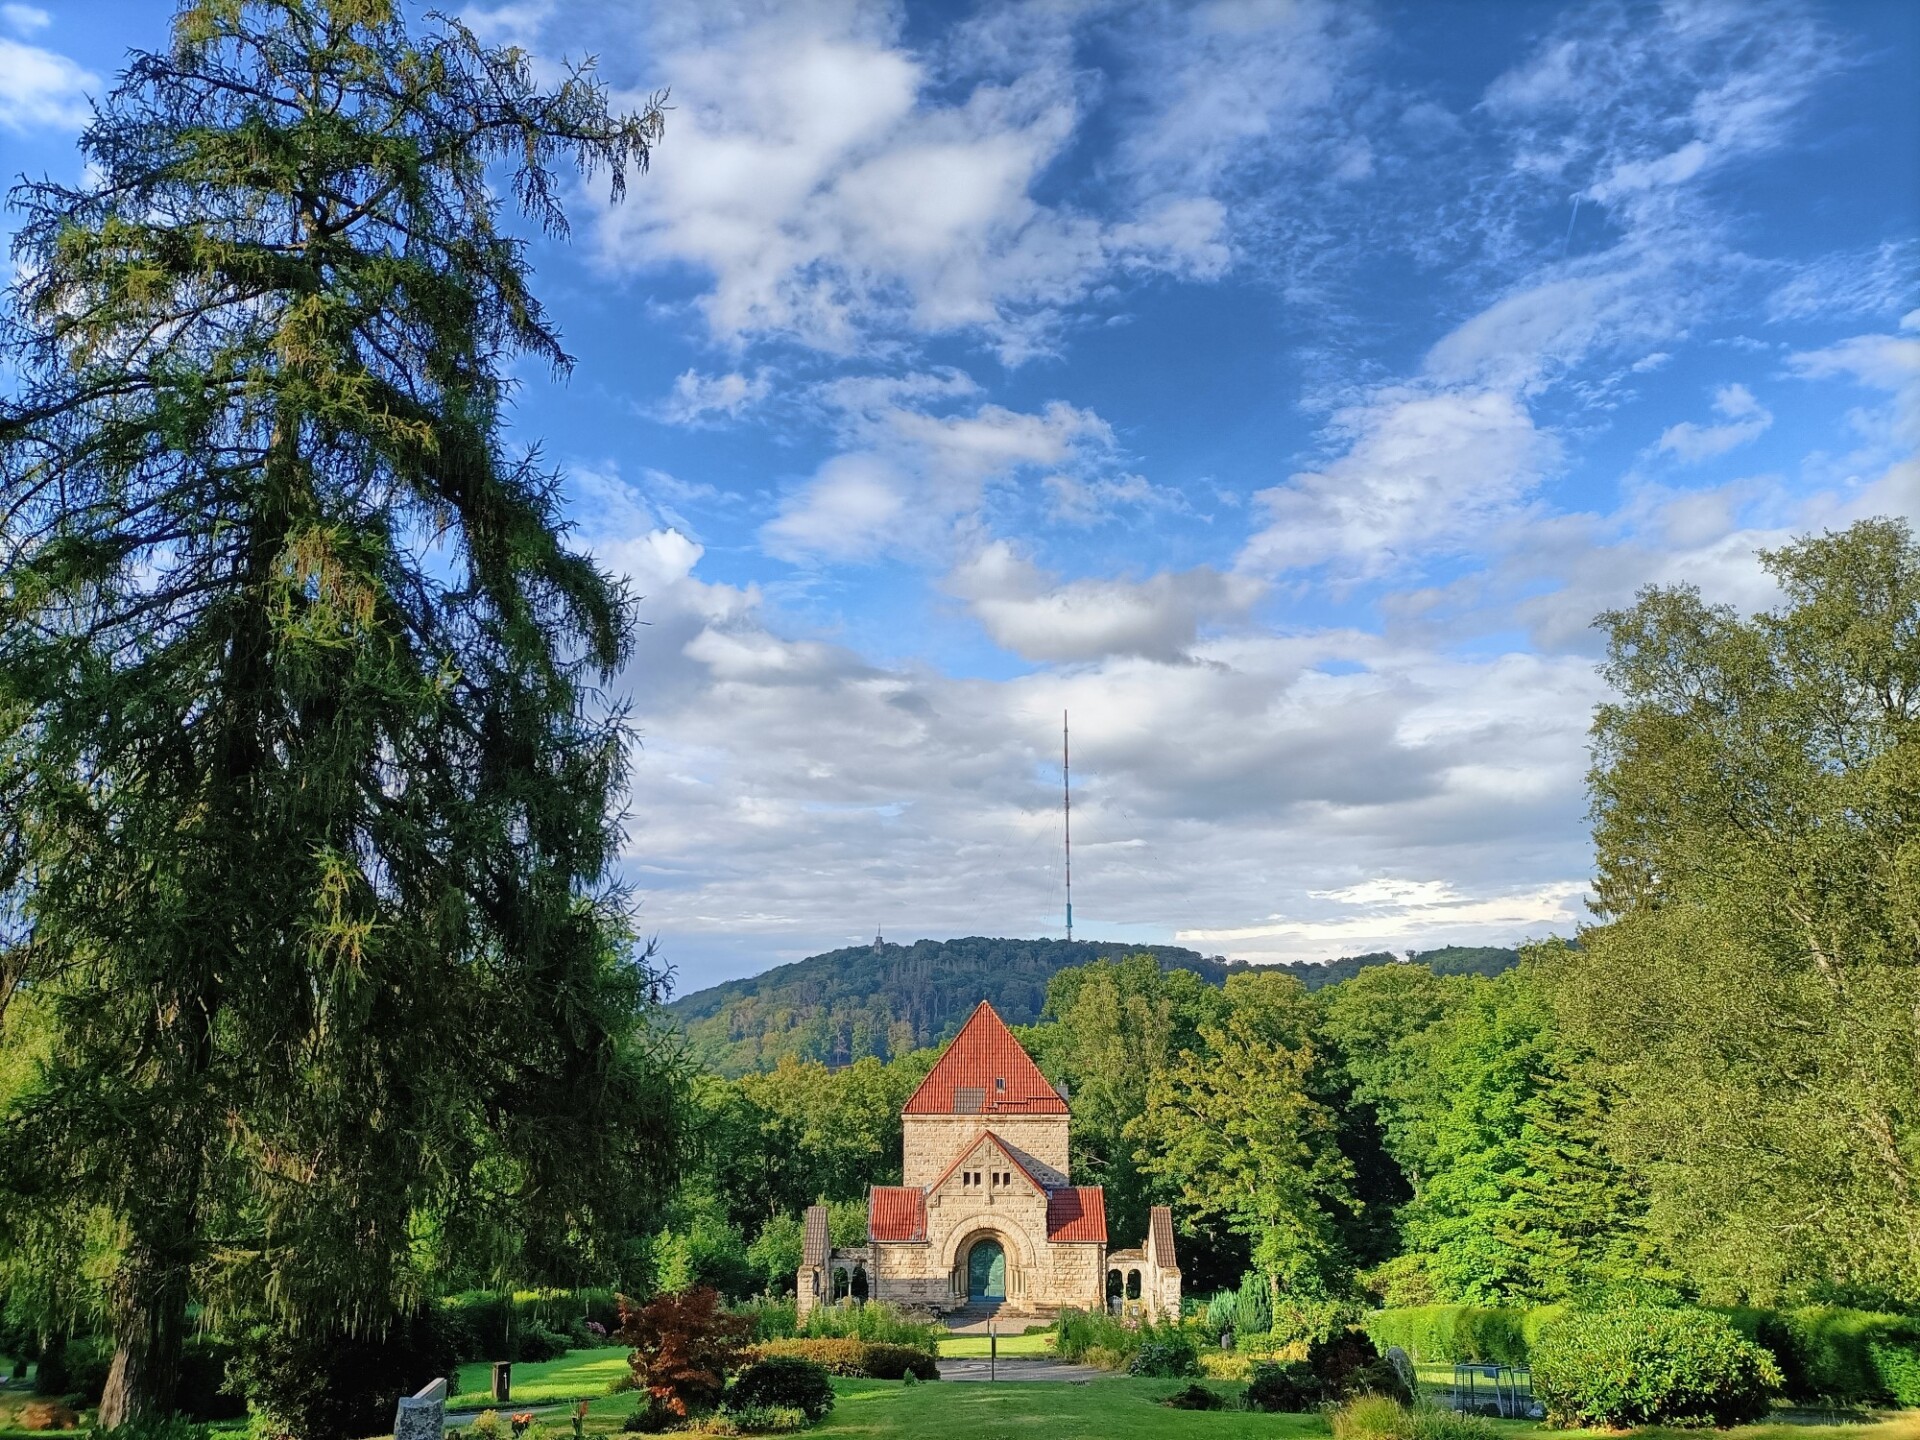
(306, 794)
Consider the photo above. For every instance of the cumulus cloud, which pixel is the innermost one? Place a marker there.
(1031, 613)
(912, 474)
(696, 397)
(1742, 419)
(40, 88)
(843, 195)
(1424, 469)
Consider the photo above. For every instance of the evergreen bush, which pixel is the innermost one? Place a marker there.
(1645, 1365)
(1165, 1352)
(1253, 1308)
(786, 1381)
(1291, 1388)
(1195, 1397)
(855, 1359)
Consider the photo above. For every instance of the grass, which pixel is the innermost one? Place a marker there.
(576, 1375)
(1012, 1347)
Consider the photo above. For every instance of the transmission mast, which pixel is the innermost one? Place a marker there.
(1066, 810)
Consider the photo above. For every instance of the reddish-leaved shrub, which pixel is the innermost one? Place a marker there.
(683, 1346)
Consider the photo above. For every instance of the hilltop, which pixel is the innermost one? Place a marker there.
(884, 1000)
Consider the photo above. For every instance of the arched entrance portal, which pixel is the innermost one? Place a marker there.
(986, 1271)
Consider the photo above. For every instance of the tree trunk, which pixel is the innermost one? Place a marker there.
(149, 1327)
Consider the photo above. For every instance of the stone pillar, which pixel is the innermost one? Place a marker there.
(422, 1416)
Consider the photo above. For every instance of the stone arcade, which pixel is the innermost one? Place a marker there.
(988, 1219)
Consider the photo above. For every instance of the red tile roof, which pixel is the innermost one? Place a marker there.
(985, 1072)
(897, 1213)
(1077, 1213)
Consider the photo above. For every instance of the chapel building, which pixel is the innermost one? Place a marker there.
(988, 1220)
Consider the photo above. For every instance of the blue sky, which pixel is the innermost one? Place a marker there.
(1281, 387)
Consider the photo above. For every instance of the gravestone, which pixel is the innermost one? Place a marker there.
(422, 1416)
(1396, 1357)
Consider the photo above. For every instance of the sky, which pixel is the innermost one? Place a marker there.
(1279, 387)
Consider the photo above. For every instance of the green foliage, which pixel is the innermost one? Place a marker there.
(788, 1381)
(863, 1001)
(1460, 1334)
(1338, 1358)
(770, 1318)
(1753, 989)
(489, 1324)
(1240, 1133)
(857, 1359)
(773, 1259)
(1253, 1305)
(1828, 1353)
(1633, 1366)
(875, 1322)
(702, 1251)
(1380, 1417)
(1076, 1333)
(1164, 1352)
(311, 796)
(316, 1383)
(1290, 1387)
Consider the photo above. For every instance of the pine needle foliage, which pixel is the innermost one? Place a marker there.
(306, 786)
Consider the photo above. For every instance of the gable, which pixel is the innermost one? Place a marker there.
(988, 1155)
(985, 1071)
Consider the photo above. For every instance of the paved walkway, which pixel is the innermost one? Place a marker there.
(1055, 1370)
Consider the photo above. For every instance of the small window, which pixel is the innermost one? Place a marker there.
(999, 1082)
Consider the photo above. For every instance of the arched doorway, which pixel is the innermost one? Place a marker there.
(986, 1271)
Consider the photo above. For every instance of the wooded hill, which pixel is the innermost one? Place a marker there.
(884, 1000)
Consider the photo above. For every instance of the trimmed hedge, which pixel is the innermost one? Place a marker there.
(1831, 1353)
(1641, 1365)
(783, 1382)
(1461, 1334)
(854, 1359)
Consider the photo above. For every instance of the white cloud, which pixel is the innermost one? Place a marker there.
(1031, 613)
(25, 19)
(696, 396)
(1743, 419)
(41, 89)
(816, 173)
(913, 475)
(1424, 470)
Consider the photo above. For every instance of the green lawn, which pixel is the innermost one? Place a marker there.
(576, 1375)
(974, 1347)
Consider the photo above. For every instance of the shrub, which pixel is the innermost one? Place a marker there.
(856, 1359)
(683, 1346)
(317, 1382)
(1291, 1388)
(1651, 1366)
(1898, 1367)
(200, 1392)
(748, 1420)
(1336, 1360)
(1253, 1306)
(1834, 1354)
(1381, 1377)
(1376, 1417)
(1218, 1313)
(1165, 1352)
(875, 1322)
(46, 1415)
(1076, 1333)
(1370, 1417)
(787, 1381)
(74, 1367)
(486, 1426)
(1226, 1365)
(771, 1318)
(1195, 1397)
(652, 1418)
(1460, 1334)
(537, 1343)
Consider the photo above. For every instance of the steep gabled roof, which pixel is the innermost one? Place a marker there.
(815, 1245)
(897, 1213)
(1077, 1213)
(985, 1072)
